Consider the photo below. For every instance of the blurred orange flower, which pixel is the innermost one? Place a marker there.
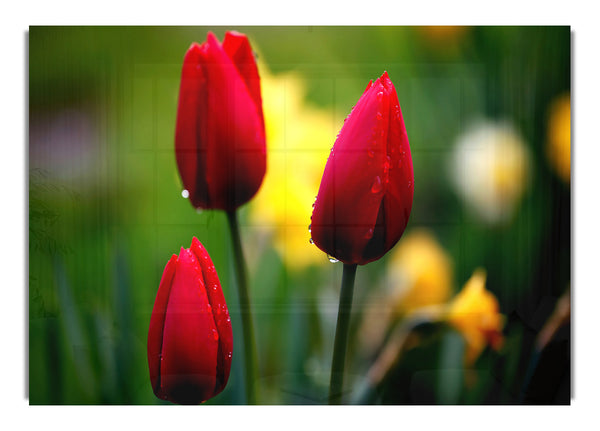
(474, 312)
(559, 136)
(443, 33)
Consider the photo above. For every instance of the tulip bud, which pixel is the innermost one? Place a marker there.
(220, 132)
(190, 340)
(366, 191)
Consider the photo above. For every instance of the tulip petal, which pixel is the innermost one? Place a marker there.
(236, 159)
(191, 135)
(354, 182)
(237, 46)
(220, 313)
(190, 338)
(399, 197)
(157, 323)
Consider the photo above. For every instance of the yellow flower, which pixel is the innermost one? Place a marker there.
(558, 147)
(299, 138)
(419, 272)
(490, 169)
(419, 275)
(474, 312)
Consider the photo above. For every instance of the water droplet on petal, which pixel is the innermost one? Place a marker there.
(215, 335)
(332, 259)
(380, 95)
(409, 184)
(379, 115)
(185, 194)
(376, 186)
(309, 227)
(311, 241)
(371, 153)
(369, 233)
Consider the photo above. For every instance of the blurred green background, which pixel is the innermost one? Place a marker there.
(106, 211)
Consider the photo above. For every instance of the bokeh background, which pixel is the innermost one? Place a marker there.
(487, 112)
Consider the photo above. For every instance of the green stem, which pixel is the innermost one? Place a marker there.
(246, 313)
(341, 335)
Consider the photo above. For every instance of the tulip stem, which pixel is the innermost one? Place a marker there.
(246, 314)
(341, 334)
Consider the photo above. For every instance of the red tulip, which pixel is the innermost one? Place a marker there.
(366, 191)
(190, 339)
(220, 132)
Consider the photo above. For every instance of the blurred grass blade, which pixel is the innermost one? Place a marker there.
(451, 371)
(124, 339)
(75, 340)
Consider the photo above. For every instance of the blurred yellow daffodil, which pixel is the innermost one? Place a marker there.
(474, 312)
(419, 272)
(490, 170)
(559, 137)
(419, 276)
(299, 138)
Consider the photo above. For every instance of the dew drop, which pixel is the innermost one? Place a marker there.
(229, 355)
(309, 227)
(379, 116)
(215, 335)
(185, 194)
(369, 233)
(386, 165)
(332, 259)
(376, 186)
(371, 153)
(379, 95)
(409, 184)
(311, 241)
